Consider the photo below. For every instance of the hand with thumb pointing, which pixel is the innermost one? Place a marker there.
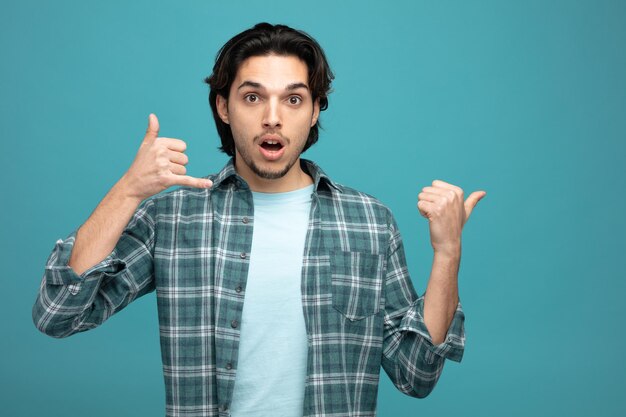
(443, 204)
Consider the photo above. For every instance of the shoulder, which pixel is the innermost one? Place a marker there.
(352, 200)
(353, 195)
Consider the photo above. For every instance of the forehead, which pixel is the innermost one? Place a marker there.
(272, 71)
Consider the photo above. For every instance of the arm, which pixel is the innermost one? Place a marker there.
(159, 164)
(420, 333)
(108, 263)
(447, 212)
(442, 294)
(97, 237)
(69, 303)
(411, 359)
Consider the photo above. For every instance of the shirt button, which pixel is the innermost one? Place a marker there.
(245, 220)
(238, 289)
(229, 366)
(242, 255)
(234, 324)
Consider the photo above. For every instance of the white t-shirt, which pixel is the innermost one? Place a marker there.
(272, 360)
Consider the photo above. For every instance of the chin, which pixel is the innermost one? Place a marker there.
(270, 174)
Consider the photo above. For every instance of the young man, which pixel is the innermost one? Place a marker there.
(279, 291)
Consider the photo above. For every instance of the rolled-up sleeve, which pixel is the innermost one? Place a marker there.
(69, 303)
(413, 363)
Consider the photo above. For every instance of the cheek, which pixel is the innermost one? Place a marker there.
(301, 119)
(306, 123)
(241, 121)
(246, 116)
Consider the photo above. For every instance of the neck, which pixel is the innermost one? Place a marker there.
(294, 179)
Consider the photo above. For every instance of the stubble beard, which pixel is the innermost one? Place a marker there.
(267, 174)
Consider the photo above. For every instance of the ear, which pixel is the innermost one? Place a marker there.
(222, 108)
(316, 111)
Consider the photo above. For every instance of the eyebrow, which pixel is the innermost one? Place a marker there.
(290, 87)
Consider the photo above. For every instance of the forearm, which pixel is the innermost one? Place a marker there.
(442, 294)
(409, 358)
(97, 237)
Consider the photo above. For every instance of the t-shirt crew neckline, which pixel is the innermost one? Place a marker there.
(299, 195)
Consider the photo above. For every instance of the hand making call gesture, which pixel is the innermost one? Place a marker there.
(443, 205)
(159, 164)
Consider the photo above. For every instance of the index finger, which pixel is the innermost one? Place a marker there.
(174, 144)
(443, 184)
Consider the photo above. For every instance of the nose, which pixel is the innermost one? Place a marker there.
(271, 116)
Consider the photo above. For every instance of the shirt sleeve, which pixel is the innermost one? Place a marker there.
(69, 303)
(410, 358)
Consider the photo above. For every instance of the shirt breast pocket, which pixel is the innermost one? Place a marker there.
(357, 280)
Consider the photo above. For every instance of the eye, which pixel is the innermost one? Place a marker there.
(295, 100)
(251, 98)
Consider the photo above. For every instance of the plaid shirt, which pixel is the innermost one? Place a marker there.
(192, 246)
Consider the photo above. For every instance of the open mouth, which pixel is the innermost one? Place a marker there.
(271, 145)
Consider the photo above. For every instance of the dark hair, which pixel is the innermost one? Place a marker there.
(260, 40)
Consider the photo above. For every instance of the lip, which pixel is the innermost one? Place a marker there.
(272, 155)
(276, 138)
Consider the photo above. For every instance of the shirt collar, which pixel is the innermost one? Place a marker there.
(228, 174)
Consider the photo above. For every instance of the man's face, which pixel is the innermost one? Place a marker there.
(270, 111)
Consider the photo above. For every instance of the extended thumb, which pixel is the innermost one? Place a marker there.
(153, 126)
(471, 202)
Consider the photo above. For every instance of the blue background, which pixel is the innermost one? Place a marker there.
(523, 99)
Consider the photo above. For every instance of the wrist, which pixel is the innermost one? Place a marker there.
(125, 191)
(450, 251)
